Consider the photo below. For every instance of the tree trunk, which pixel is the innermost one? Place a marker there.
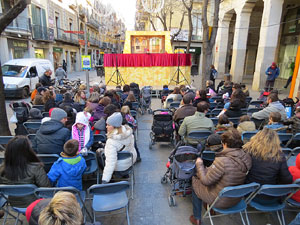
(5, 20)
(190, 31)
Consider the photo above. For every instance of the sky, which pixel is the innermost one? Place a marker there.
(126, 9)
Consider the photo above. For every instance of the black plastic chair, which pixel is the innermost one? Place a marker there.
(215, 112)
(48, 160)
(40, 107)
(32, 138)
(32, 127)
(4, 140)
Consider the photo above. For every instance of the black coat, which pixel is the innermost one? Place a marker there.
(49, 104)
(51, 137)
(45, 80)
(269, 172)
(233, 113)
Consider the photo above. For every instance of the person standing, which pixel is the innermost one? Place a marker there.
(64, 65)
(213, 75)
(292, 67)
(272, 73)
(60, 74)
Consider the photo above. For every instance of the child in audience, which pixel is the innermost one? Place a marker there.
(223, 123)
(129, 118)
(68, 169)
(82, 132)
(246, 124)
(274, 122)
(295, 171)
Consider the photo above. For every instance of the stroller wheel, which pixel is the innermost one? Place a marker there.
(150, 145)
(150, 111)
(163, 180)
(171, 201)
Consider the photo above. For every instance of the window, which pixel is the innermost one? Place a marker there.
(197, 26)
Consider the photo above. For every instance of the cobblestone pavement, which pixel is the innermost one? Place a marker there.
(150, 203)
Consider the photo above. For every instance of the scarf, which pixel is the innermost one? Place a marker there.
(86, 135)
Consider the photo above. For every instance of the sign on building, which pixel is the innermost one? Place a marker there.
(86, 62)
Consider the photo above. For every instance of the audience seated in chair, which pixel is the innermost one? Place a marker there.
(229, 168)
(38, 99)
(234, 109)
(275, 122)
(62, 209)
(196, 122)
(246, 124)
(268, 161)
(69, 168)
(52, 134)
(223, 123)
(175, 96)
(49, 100)
(295, 171)
(119, 138)
(200, 97)
(187, 109)
(35, 115)
(22, 166)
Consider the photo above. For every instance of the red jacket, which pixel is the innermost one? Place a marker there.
(295, 171)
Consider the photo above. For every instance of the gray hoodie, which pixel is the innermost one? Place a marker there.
(272, 107)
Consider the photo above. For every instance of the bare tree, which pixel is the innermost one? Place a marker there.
(188, 4)
(208, 40)
(5, 19)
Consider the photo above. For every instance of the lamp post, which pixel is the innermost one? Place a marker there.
(87, 75)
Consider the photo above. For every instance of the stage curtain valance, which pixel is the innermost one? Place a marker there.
(146, 60)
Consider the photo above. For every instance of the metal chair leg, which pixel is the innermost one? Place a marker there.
(242, 218)
(247, 218)
(17, 220)
(127, 215)
(282, 216)
(210, 218)
(279, 218)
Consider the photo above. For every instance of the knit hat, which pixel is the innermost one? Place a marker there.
(83, 118)
(58, 114)
(35, 113)
(115, 119)
(40, 89)
(214, 142)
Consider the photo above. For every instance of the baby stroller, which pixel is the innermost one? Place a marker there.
(181, 168)
(146, 99)
(162, 127)
(21, 111)
(134, 87)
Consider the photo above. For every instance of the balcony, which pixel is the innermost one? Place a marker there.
(93, 23)
(60, 35)
(20, 24)
(94, 41)
(42, 33)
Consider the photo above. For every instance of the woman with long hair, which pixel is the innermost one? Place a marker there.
(200, 96)
(268, 161)
(175, 95)
(22, 166)
(119, 138)
(49, 100)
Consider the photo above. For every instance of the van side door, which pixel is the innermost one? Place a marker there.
(34, 78)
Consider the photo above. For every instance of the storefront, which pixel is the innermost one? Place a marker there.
(73, 56)
(289, 42)
(57, 56)
(18, 49)
(39, 53)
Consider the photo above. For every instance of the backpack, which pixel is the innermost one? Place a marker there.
(22, 110)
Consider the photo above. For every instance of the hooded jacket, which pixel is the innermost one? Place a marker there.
(51, 137)
(246, 126)
(274, 73)
(229, 168)
(295, 171)
(98, 113)
(272, 107)
(115, 143)
(68, 172)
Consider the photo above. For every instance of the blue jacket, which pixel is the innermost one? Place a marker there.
(68, 172)
(275, 126)
(274, 73)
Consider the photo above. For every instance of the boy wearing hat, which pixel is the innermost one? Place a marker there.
(69, 168)
(52, 134)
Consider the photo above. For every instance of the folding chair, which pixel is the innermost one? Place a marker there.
(291, 158)
(285, 190)
(133, 113)
(215, 120)
(208, 156)
(99, 138)
(212, 105)
(40, 107)
(92, 164)
(50, 192)
(199, 134)
(4, 141)
(287, 152)
(109, 197)
(32, 139)
(174, 105)
(20, 190)
(256, 104)
(285, 137)
(248, 99)
(48, 160)
(247, 135)
(32, 127)
(291, 201)
(253, 110)
(215, 112)
(244, 110)
(216, 98)
(45, 114)
(235, 120)
(233, 192)
(135, 106)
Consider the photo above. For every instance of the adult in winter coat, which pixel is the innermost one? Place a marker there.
(234, 109)
(186, 110)
(268, 161)
(69, 168)
(246, 124)
(272, 73)
(229, 168)
(119, 138)
(295, 171)
(274, 106)
(52, 134)
(45, 79)
(60, 74)
(22, 166)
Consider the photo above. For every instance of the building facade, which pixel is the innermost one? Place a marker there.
(57, 29)
(254, 33)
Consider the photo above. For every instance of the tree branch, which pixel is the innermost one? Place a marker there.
(179, 30)
(12, 13)
(215, 23)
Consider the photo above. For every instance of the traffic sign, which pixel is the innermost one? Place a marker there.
(86, 62)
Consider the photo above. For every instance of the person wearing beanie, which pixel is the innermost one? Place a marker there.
(35, 115)
(272, 73)
(82, 132)
(53, 134)
(295, 171)
(119, 138)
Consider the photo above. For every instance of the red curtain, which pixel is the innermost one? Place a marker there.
(147, 60)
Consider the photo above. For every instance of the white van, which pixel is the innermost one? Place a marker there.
(21, 75)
